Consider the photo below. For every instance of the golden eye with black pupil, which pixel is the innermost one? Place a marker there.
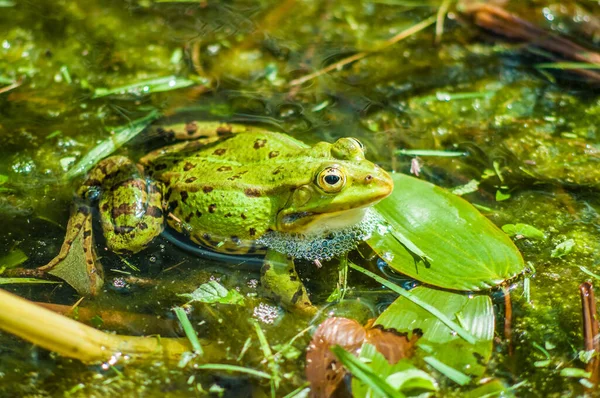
(331, 180)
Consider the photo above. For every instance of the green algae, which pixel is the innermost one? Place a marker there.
(538, 136)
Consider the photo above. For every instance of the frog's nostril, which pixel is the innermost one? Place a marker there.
(368, 178)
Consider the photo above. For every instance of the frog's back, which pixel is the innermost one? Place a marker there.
(226, 195)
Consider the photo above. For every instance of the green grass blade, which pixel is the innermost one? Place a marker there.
(365, 374)
(451, 373)
(111, 144)
(188, 329)
(234, 368)
(25, 281)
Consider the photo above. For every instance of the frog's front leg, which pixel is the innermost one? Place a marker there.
(278, 275)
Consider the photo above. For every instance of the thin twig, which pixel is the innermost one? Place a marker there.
(590, 329)
(439, 22)
(10, 87)
(338, 65)
(508, 319)
(509, 25)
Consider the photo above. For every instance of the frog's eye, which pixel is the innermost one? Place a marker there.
(331, 180)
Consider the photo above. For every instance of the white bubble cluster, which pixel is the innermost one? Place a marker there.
(325, 245)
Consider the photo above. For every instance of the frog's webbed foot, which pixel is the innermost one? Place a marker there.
(76, 263)
(279, 277)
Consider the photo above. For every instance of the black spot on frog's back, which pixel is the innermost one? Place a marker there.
(184, 195)
(188, 166)
(259, 143)
(252, 192)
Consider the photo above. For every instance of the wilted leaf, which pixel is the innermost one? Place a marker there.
(462, 249)
(323, 370)
(214, 292)
(393, 345)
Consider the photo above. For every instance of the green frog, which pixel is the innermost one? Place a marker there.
(233, 189)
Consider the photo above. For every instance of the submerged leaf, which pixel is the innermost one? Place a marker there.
(14, 258)
(464, 250)
(475, 314)
(214, 292)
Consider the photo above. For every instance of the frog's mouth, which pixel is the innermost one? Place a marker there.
(319, 241)
(321, 223)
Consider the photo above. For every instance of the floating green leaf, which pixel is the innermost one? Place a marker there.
(563, 248)
(214, 292)
(523, 231)
(463, 249)
(474, 313)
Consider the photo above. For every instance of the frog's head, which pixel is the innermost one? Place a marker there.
(343, 185)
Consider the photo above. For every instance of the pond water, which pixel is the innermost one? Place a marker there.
(424, 77)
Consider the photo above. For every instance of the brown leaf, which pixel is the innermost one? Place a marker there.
(323, 371)
(392, 344)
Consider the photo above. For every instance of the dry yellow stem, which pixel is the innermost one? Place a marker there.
(72, 339)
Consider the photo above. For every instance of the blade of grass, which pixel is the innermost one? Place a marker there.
(188, 329)
(451, 373)
(268, 354)
(365, 374)
(25, 281)
(439, 23)
(234, 368)
(121, 135)
(430, 152)
(567, 65)
(302, 391)
(468, 337)
(590, 273)
(157, 85)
